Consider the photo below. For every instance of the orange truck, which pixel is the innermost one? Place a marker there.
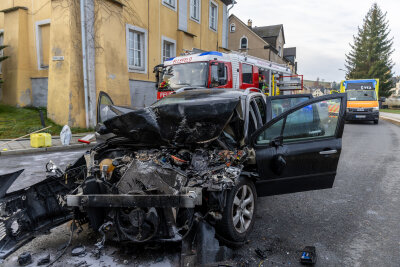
(362, 99)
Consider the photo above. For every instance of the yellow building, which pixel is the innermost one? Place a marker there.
(123, 40)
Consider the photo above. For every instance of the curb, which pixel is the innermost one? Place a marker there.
(45, 149)
(393, 121)
(52, 137)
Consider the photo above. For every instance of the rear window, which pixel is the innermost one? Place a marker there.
(279, 106)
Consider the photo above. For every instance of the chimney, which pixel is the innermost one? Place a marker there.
(249, 23)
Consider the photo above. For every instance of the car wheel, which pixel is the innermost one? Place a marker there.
(239, 213)
(376, 121)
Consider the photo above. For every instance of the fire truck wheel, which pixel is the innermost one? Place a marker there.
(239, 213)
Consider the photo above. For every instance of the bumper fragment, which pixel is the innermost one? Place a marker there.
(189, 200)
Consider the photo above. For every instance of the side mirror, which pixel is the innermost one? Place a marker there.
(382, 99)
(277, 141)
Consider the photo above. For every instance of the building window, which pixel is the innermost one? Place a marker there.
(168, 47)
(43, 44)
(213, 16)
(2, 50)
(244, 42)
(247, 73)
(195, 9)
(170, 3)
(136, 45)
(280, 51)
(233, 27)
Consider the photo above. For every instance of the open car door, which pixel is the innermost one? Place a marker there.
(299, 150)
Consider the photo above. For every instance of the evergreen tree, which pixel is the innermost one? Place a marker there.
(370, 54)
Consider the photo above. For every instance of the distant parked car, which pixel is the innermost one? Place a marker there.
(393, 102)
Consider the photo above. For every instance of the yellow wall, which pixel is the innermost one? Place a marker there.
(65, 89)
(111, 63)
(160, 20)
(65, 81)
(20, 36)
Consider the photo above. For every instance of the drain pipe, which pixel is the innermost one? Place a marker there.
(233, 4)
(84, 57)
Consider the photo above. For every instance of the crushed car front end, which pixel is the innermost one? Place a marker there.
(165, 167)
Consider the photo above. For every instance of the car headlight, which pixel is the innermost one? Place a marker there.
(375, 109)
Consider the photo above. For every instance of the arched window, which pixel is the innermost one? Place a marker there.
(244, 43)
(233, 27)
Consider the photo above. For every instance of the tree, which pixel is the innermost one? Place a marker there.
(371, 51)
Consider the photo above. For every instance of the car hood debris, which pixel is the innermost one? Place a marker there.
(175, 124)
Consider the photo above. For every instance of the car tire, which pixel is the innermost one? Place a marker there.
(239, 213)
(376, 121)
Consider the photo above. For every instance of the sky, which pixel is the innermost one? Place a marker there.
(321, 30)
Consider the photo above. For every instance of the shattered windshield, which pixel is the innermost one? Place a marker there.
(185, 75)
(358, 95)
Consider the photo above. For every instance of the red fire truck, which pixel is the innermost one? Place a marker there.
(224, 70)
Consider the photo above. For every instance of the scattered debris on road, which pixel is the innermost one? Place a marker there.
(44, 260)
(78, 251)
(308, 256)
(25, 258)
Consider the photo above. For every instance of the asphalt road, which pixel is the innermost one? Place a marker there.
(357, 223)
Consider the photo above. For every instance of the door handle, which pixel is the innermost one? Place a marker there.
(328, 152)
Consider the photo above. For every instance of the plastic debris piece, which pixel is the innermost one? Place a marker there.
(308, 256)
(25, 258)
(65, 135)
(86, 139)
(78, 251)
(44, 260)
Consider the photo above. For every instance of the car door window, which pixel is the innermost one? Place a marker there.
(274, 131)
(309, 122)
(280, 105)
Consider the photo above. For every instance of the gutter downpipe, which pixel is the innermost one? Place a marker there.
(233, 4)
(84, 56)
(227, 23)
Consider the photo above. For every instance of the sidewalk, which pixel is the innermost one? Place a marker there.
(23, 146)
(390, 117)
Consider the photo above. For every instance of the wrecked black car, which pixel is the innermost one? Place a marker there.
(203, 154)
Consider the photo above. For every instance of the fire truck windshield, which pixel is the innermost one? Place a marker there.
(361, 95)
(184, 75)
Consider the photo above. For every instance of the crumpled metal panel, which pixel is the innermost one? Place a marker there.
(175, 123)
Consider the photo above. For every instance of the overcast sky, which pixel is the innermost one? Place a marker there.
(321, 30)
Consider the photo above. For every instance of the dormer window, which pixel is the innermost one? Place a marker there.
(233, 27)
